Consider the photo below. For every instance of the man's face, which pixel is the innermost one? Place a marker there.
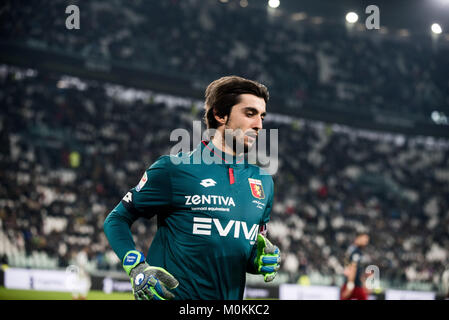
(244, 122)
(363, 240)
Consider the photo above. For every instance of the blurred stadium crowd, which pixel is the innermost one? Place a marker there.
(306, 61)
(71, 148)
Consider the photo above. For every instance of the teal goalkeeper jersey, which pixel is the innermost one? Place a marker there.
(208, 217)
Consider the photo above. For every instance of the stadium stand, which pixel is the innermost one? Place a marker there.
(71, 148)
(310, 63)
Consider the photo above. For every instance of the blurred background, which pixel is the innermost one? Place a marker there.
(363, 119)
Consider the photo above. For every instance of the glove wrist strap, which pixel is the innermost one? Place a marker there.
(131, 260)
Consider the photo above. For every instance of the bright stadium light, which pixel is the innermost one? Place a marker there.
(436, 28)
(352, 17)
(273, 3)
(439, 117)
(435, 116)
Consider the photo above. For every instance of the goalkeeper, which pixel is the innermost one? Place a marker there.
(211, 216)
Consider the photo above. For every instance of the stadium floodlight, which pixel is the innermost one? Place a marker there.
(273, 3)
(436, 28)
(243, 3)
(435, 116)
(352, 17)
(439, 117)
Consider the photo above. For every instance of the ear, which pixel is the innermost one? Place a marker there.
(220, 120)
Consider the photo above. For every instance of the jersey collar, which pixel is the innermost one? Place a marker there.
(220, 156)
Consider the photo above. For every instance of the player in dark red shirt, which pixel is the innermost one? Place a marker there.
(353, 287)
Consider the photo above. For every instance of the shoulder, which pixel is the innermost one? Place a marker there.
(356, 254)
(173, 165)
(350, 250)
(160, 166)
(261, 174)
(160, 162)
(168, 161)
(181, 158)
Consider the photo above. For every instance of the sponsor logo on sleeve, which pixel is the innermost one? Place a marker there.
(142, 182)
(128, 197)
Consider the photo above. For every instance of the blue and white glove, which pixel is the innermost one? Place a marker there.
(148, 282)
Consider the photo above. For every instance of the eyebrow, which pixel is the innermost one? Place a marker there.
(263, 114)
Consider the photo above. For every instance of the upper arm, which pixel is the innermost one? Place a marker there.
(351, 270)
(153, 193)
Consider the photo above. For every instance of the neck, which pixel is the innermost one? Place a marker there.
(220, 143)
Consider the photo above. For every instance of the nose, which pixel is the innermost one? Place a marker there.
(258, 123)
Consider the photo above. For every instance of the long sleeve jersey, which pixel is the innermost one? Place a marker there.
(209, 212)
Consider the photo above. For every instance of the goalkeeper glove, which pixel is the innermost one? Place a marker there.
(148, 282)
(268, 258)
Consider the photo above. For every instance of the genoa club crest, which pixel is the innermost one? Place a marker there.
(256, 188)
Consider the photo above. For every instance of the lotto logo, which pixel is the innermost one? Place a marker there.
(208, 183)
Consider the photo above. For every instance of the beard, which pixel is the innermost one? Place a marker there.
(239, 145)
(235, 139)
